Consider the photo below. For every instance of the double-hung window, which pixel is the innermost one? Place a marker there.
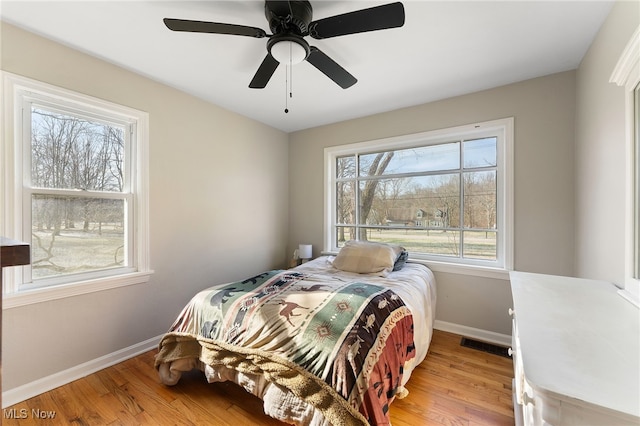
(75, 188)
(443, 195)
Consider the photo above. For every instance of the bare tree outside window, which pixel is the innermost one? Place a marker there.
(377, 167)
(77, 200)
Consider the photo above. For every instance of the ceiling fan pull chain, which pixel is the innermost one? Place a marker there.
(288, 82)
(290, 71)
(286, 89)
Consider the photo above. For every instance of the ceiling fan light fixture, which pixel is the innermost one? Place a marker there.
(289, 51)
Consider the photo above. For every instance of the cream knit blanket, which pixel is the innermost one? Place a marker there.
(304, 385)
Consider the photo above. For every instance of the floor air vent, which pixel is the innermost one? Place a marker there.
(485, 347)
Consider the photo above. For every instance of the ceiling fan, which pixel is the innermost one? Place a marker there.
(291, 21)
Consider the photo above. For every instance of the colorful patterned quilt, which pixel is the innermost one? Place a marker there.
(340, 345)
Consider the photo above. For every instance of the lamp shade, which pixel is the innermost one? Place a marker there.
(288, 52)
(305, 251)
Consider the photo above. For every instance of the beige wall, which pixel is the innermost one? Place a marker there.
(544, 111)
(203, 230)
(600, 154)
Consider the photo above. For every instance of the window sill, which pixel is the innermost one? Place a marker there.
(44, 294)
(473, 270)
(460, 269)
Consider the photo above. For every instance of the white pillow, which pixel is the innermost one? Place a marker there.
(365, 257)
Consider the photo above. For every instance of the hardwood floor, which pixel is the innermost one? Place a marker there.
(455, 385)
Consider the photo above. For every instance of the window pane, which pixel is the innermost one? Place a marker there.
(344, 234)
(480, 200)
(425, 201)
(69, 152)
(71, 235)
(423, 159)
(480, 245)
(438, 242)
(480, 153)
(345, 202)
(346, 167)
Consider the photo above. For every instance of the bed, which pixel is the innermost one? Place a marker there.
(321, 344)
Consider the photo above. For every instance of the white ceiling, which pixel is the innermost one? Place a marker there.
(445, 49)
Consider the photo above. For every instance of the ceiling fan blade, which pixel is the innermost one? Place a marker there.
(264, 73)
(371, 19)
(213, 28)
(330, 68)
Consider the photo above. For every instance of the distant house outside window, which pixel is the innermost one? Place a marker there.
(443, 195)
(78, 187)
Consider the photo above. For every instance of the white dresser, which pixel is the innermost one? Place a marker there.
(576, 352)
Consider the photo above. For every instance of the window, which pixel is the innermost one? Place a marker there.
(77, 183)
(627, 74)
(633, 181)
(635, 186)
(443, 195)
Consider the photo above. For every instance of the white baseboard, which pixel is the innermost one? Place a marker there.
(29, 390)
(476, 333)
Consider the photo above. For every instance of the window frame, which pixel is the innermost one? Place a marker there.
(626, 74)
(19, 92)
(502, 128)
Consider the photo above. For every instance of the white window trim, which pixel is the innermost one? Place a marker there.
(627, 74)
(11, 196)
(505, 183)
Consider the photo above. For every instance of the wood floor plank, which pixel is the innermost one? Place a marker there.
(454, 386)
